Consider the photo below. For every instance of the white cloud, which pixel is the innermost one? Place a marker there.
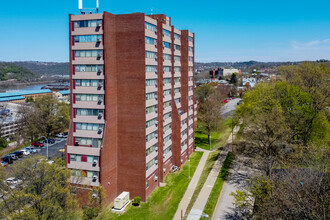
(315, 44)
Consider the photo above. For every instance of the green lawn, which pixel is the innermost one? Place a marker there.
(213, 156)
(215, 193)
(218, 139)
(164, 201)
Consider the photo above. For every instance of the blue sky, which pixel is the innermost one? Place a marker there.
(234, 30)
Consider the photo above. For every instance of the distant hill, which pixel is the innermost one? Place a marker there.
(246, 66)
(45, 68)
(13, 71)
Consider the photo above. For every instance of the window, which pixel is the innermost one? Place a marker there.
(77, 173)
(151, 109)
(75, 157)
(191, 88)
(91, 174)
(166, 116)
(167, 138)
(167, 150)
(151, 82)
(150, 68)
(166, 92)
(89, 126)
(166, 56)
(177, 79)
(166, 80)
(147, 184)
(151, 123)
(151, 149)
(191, 59)
(150, 40)
(88, 112)
(88, 68)
(88, 53)
(190, 49)
(190, 39)
(166, 45)
(151, 55)
(150, 95)
(90, 159)
(177, 69)
(149, 26)
(151, 136)
(89, 23)
(177, 36)
(190, 68)
(190, 78)
(176, 90)
(177, 47)
(87, 38)
(94, 142)
(151, 163)
(89, 82)
(89, 97)
(167, 104)
(177, 58)
(167, 69)
(166, 127)
(177, 100)
(166, 33)
(190, 98)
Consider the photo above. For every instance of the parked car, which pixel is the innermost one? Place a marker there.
(26, 152)
(31, 149)
(19, 154)
(4, 163)
(13, 156)
(7, 159)
(49, 140)
(225, 101)
(37, 144)
(13, 180)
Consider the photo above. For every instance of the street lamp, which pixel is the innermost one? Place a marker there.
(46, 145)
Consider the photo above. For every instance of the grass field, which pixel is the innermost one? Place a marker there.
(164, 201)
(215, 193)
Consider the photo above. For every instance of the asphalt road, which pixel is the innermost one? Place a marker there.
(229, 107)
(53, 149)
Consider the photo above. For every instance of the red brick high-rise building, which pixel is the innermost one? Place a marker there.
(132, 102)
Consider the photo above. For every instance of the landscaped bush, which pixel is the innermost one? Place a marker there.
(137, 201)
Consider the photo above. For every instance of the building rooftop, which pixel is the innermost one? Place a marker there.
(65, 92)
(11, 98)
(24, 92)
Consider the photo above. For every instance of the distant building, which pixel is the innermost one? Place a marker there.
(9, 121)
(217, 72)
(63, 95)
(21, 96)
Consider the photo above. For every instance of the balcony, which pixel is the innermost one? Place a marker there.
(151, 75)
(167, 39)
(151, 102)
(184, 127)
(85, 104)
(190, 102)
(84, 181)
(151, 116)
(167, 132)
(89, 119)
(151, 142)
(177, 53)
(167, 98)
(190, 83)
(191, 54)
(177, 85)
(88, 46)
(178, 105)
(190, 44)
(177, 42)
(167, 86)
(190, 93)
(177, 63)
(177, 95)
(151, 129)
(151, 89)
(87, 31)
(191, 121)
(88, 134)
(151, 156)
(167, 121)
(88, 61)
(167, 109)
(151, 170)
(167, 75)
(89, 90)
(88, 75)
(167, 156)
(183, 116)
(167, 63)
(177, 74)
(167, 50)
(83, 166)
(190, 112)
(150, 33)
(151, 47)
(191, 64)
(167, 144)
(190, 73)
(83, 150)
(151, 61)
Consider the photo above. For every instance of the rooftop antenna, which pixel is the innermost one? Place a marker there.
(151, 11)
(82, 10)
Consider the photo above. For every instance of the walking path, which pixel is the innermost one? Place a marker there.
(192, 186)
(237, 180)
(197, 210)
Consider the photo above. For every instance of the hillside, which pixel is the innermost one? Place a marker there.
(45, 68)
(12, 71)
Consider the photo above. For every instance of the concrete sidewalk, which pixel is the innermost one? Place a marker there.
(197, 210)
(192, 186)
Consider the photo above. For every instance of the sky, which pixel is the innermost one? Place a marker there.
(225, 31)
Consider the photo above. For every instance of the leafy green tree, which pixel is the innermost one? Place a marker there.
(3, 143)
(43, 193)
(233, 79)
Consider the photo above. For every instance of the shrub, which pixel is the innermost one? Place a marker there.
(137, 201)
(90, 213)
